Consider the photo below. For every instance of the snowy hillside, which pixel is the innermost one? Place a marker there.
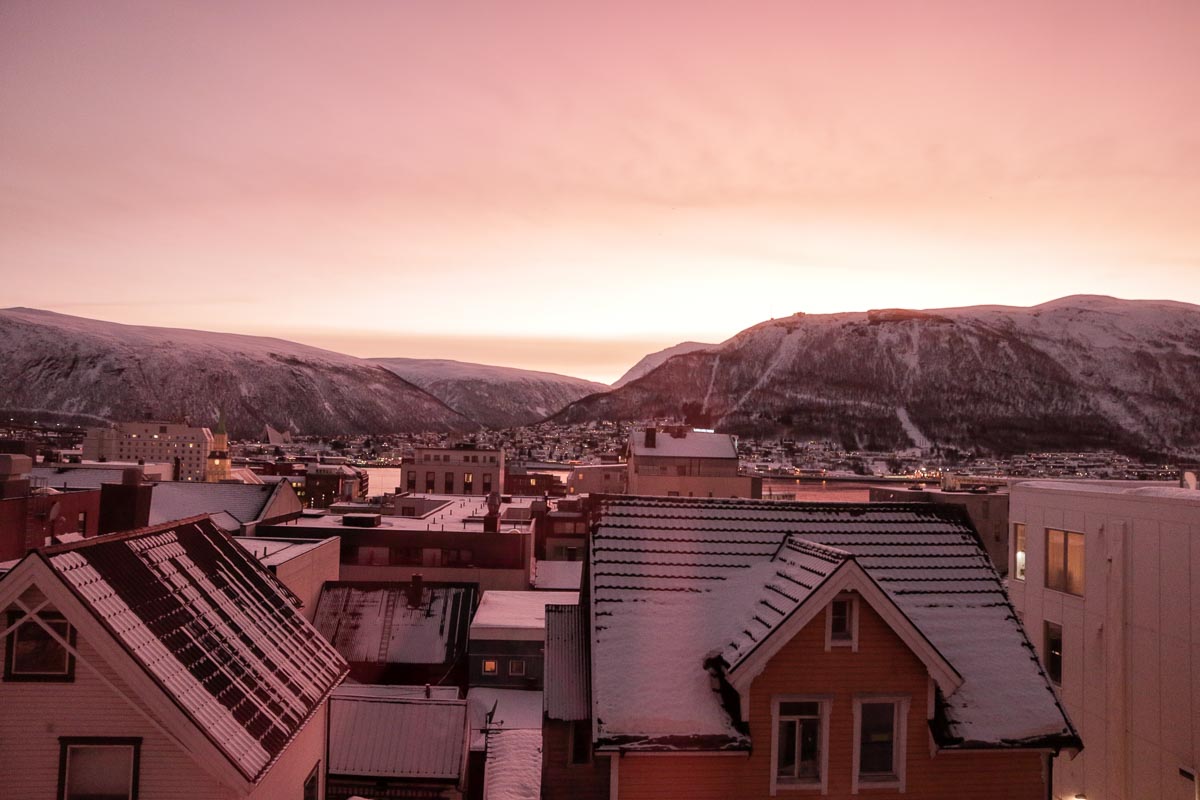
(498, 397)
(1079, 372)
(87, 371)
(651, 362)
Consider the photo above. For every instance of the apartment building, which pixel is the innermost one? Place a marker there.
(463, 469)
(184, 447)
(679, 461)
(1106, 577)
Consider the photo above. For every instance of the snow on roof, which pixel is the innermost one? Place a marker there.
(692, 444)
(669, 576)
(380, 737)
(76, 478)
(567, 677)
(272, 552)
(172, 500)
(373, 623)
(353, 689)
(513, 769)
(1127, 489)
(558, 575)
(515, 709)
(516, 615)
(262, 671)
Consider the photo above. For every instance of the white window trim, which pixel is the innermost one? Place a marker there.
(511, 672)
(899, 750)
(825, 703)
(852, 642)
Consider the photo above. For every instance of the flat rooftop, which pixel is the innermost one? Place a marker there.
(516, 615)
(454, 513)
(273, 552)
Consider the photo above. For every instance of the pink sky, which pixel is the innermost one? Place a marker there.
(566, 186)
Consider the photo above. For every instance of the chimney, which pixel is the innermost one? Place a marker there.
(428, 692)
(415, 589)
(14, 470)
(125, 506)
(651, 437)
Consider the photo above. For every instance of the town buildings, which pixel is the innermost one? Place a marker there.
(184, 447)
(463, 469)
(985, 504)
(33, 514)
(161, 663)
(679, 461)
(1106, 577)
(750, 649)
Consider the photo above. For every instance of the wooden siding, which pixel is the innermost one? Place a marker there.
(882, 665)
(564, 781)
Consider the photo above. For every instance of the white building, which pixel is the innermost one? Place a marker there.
(455, 470)
(1106, 578)
(678, 461)
(164, 442)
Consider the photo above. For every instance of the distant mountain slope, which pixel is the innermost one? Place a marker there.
(498, 397)
(88, 370)
(1080, 372)
(652, 361)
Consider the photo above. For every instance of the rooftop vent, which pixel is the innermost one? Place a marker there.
(362, 520)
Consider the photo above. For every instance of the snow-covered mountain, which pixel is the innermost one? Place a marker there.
(498, 397)
(1082, 372)
(87, 371)
(651, 362)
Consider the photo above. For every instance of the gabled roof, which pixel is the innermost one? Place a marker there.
(679, 581)
(692, 444)
(567, 678)
(211, 627)
(397, 737)
(245, 502)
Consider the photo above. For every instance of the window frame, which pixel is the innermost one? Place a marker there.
(314, 778)
(1064, 585)
(897, 779)
(1020, 563)
(65, 743)
(825, 706)
(853, 599)
(513, 674)
(483, 666)
(10, 654)
(1050, 674)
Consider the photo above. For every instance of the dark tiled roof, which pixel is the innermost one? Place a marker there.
(212, 627)
(650, 555)
(567, 674)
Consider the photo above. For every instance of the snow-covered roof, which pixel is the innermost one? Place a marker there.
(1132, 489)
(677, 581)
(373, 622)
(516, 615)
(352, 688)
(76, 478)
(558, 575)
(567, 677)
(173, 500)
(397, 737)
(262, 671)
(513, 770)
(688, 444)
(272, 552)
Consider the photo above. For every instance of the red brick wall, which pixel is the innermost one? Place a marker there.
(883, 664)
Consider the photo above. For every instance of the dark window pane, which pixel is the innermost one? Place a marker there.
(799, 709)
(99, 773)
(810, 746)
(36, 652)
(787, 748)
(840, 624)
(877, 739)
(1054, 647)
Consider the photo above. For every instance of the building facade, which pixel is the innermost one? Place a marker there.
(1107, 580)
(455, 470)
(678, 461)
(185, 447)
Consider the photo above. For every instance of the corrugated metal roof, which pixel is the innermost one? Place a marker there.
(212, 627)
(397, 737)
(567, 676)
(172, 500)
(669, 554)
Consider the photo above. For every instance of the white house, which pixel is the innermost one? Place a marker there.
(1106, 577)
(161, 663)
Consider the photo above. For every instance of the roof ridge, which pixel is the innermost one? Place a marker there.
(121, 536)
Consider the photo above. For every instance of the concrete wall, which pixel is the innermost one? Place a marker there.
(307, 573)
(1130, 643)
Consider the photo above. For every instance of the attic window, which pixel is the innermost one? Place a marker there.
(841, 622)
(33, 653)
(489, 666)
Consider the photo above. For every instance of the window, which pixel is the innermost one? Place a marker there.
(429, 481)
(81, 522)
(468, 482)
(98, 769)
(1064, 561)
(581, 742)
(449, 483)
(311, 788)
(412, 481)
(1019, 558)
(1054, 647)
(490, 666)
(487, 483)
(799, 756)
(516, 667)
(880, 725)
(31, 653)
(841, 622)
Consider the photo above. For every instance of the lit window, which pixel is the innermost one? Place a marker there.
(490, 666)
(98, 769)
(32, 653)
(516, 667)
(1054, 650)
(801, 742)
(879, 741)
(1019, 558)
(1064, 561)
